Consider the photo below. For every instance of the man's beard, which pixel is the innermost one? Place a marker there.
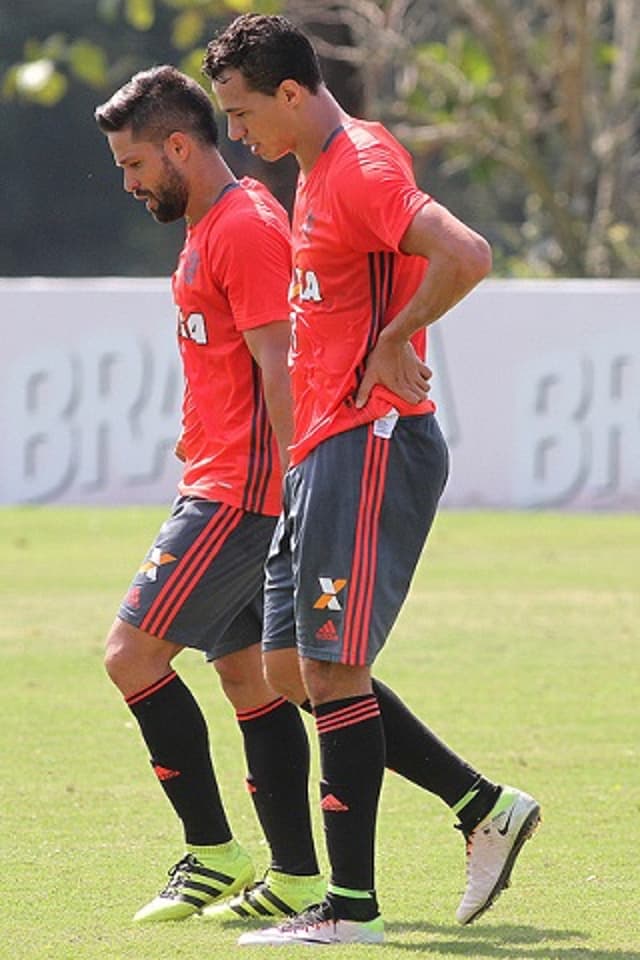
(171, 199)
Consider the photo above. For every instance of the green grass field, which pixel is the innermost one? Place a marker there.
(519, 644)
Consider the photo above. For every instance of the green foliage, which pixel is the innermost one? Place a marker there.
(187, 30)
(546, 93)
(38, 81)
(522, 117)
(140, 14)
(191, 63)
(88, 63)
(108, 10)
(50, 64)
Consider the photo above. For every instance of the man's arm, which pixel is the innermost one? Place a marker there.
(269, 346)
(459, 258)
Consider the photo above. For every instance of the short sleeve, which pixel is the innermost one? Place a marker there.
(255, 265)
(376, 199)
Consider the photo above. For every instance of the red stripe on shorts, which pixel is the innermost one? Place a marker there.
(190, 570)
(365, 557)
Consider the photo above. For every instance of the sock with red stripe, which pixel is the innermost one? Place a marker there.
(175, 732)
(277, 752)
(418, 755)
(415, 752)
(352, 764)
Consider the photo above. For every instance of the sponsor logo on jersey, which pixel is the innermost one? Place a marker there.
(305, 286)
(193, 327)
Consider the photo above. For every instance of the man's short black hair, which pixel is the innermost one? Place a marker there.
(266, 50)
(157, 102)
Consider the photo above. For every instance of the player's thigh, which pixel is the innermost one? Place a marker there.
(203, 570)
(416, 475)
(361, 506)
(279, 622)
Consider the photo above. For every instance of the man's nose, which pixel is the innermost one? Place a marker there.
(131, 182)
(236, 129)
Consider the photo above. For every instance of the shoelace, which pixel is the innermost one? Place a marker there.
(178, 873)
(468, 844)
(255, 887)
(311, 917)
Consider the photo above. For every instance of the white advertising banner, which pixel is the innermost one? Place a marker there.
(90, 392)
(537, 385)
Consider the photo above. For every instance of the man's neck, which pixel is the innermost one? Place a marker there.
(208, 180)
(324, 115)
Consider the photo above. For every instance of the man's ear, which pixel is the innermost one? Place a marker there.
(290, 92)
(178, 145)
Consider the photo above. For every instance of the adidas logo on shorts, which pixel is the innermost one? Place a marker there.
(327, 631)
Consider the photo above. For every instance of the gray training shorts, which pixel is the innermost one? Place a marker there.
(200, 584)
(357, 513)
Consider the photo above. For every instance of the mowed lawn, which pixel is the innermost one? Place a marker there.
(519, 645)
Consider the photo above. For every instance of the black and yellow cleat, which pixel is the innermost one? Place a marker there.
(198, 880)
(277, 895)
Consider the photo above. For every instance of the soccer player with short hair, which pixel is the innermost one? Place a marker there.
(375, 262)
(200, 584)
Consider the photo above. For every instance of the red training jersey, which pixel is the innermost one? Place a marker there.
(232, 276)
(349, 278)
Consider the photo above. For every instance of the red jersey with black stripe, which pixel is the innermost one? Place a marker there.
(349, 278)
(232, 276)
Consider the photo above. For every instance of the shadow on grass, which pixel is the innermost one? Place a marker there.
(503, 942)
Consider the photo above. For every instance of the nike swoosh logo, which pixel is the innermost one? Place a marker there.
(503, 830)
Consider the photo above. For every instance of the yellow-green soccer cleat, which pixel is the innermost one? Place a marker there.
(205, 875)
(317, 925)
(277, 895)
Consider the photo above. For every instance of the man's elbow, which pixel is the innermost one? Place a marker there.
(480, 260)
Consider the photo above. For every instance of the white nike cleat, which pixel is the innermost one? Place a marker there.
(317, 925)
(492, 848)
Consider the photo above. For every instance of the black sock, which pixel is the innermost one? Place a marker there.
(353, 908)
(277, 752)
(352, 763)
(417, 754)
(476, 804)
(175, 732)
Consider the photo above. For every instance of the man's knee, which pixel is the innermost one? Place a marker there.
(118, 652)
(242, 678)
(327, 681)
(282, 670)
(134, 659)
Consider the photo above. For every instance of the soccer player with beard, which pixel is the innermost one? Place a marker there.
(200, 584)
(375, 262)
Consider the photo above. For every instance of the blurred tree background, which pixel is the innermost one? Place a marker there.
(523, 117)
